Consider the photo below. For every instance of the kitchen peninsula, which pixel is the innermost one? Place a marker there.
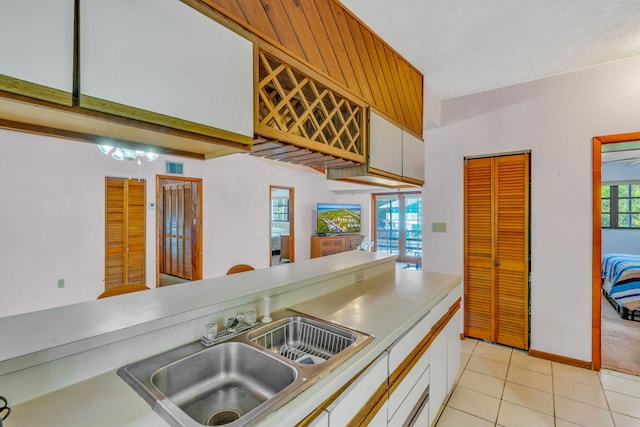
(58, 366)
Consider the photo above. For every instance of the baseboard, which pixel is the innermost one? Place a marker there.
(560, 359)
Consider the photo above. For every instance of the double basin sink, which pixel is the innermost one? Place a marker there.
(239, 380)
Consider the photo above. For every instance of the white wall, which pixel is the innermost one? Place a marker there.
(53, 215)
(555, 118)
(620, 240)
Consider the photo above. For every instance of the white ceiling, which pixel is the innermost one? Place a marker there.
(469, 46)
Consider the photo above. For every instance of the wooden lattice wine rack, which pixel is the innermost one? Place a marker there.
(304, 121)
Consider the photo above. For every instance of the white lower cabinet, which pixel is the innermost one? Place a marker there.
(438, 385)
(419, 369)
(453, 349)
(380, 419)
(416, 400)
(358, 394)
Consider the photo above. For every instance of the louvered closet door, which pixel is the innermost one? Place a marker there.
(124, 232)
(496, 249)
(479, 272)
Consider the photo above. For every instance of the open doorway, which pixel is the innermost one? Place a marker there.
(179, 230)
(281, 220)
(616, 224)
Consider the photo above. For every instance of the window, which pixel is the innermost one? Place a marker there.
(280, 210)
(398, 219)
(620, 205)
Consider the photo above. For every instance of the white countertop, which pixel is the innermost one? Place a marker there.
(385, 305)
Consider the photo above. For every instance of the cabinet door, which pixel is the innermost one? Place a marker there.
(385, 145)
(321, 420)
(438, 377)
(36, 41)
(162, 61)
(412, 157)
(347, 405)
(452, 331)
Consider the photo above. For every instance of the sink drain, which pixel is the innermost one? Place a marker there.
(223, 417)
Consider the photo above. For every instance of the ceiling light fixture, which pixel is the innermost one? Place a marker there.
(127, 154)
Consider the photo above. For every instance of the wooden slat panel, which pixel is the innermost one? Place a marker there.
(512, 196)
(330, 39)
(342, 44)
(136, 231)
(124, 232)
(478, 279)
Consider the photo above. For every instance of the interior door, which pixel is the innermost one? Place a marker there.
(178, 218)
(179, 228)
(125, 225)
(497, 249)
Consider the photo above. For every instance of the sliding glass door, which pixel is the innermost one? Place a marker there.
(398, 231)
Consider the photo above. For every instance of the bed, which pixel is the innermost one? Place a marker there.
(621, 283)
(275, 238)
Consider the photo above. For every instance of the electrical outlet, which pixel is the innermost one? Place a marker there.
(359, 275)
(439, 227)
(60, 283)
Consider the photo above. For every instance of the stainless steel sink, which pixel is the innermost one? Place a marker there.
(240, 380)
(303, 339)
(223, 383)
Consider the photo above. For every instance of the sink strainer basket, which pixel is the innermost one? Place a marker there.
(305, 340)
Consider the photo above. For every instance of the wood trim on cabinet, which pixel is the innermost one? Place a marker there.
(377, 400)
(371, 407)
(398, 375)
(22, 113)
(110, 107)
(328, 38)
(34, 90)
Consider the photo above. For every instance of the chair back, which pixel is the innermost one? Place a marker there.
(122, 289)
(239, 268)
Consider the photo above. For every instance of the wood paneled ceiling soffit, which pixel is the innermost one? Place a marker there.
(327, 37)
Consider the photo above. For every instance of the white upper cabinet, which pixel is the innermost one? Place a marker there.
(385, 145)
(412, 157)
(164, 57)
(36, 46)
(394, 151)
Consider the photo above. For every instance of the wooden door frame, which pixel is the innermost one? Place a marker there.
(596, 252)
(292, 245)
(196, 272)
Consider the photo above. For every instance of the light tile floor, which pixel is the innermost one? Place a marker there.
(500, 386)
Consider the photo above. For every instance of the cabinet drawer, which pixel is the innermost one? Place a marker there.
(326, 243)
(409, 341)
(336, 242)
(349, 403)
(417, 397)
(399, 394)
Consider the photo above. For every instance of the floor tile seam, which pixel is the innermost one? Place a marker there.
(608, 409)
(622, 413)
(465, 412)
(617, 374)
(635, 396)
(532, 388)
(532, 370)
(527, 407)
(484, 373)
(583, 402)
